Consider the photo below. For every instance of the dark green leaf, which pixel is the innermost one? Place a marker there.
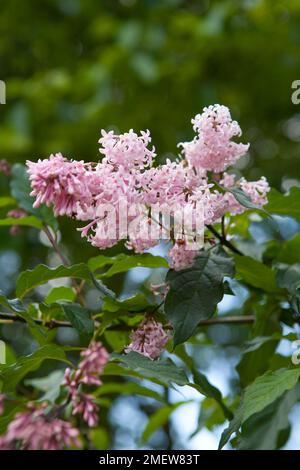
(163, 371)
(195, 292)
(41, 274)
(80, 319)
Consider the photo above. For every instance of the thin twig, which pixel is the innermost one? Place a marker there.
(224, 240)
(237, 320)
(65, 262)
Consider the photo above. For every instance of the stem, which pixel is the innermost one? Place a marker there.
(12, 317)
(224, 240)
(55, 246)
(233, 320)
(223, 228)
(65, 262)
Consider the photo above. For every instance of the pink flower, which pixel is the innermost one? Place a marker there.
(93, 361)
(33, 429)
(212, 149)
(59, 182)
(148, 339)
(85, 405)
(89, 369)
(127, 150)
(181, 257)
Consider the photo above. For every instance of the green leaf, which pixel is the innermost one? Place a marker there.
(255, 274)
(195, 292)
(135, 303)
(16, 306)
(261, 431)
(129, 388)
(99, 262)
(50, 385)
(242, 198)
(163, 371)
(234, 426)
(121, 263)
(289, 278)
(267, 388)
(20, 190)
(260, 394)
(158, 419)
(29, 221)
(258, 353)
(116, 339)
(288, 205)
(41, 274)
(60, 293)
(209, 390)
(289, 251)
(80, 319)
(11, 375)
(7, 201)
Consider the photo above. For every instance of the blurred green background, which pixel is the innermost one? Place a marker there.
(75, 66)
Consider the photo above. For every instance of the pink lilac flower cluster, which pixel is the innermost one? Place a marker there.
(148, 339)
(127, 174)
(38, 427)
(33, 429)
(89, 369)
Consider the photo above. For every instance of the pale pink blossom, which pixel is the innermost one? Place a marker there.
(148, 339)
(127, 150)
(213, 149)
(59, 182)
